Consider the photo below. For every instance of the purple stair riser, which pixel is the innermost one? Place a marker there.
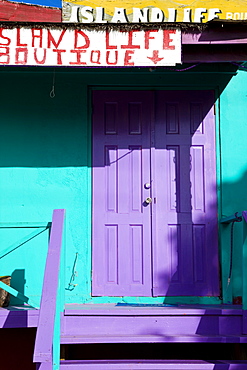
(152, 325)
(109, 323)
(153, 365)
(44, 366)
(153, 339)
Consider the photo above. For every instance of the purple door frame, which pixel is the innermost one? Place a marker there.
(160, 145)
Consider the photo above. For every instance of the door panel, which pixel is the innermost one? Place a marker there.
(185, 224)
(121, 167)
(166, 140)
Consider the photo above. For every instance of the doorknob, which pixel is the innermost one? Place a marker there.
(148, 200)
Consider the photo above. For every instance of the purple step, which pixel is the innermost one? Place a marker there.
(152, 365)
(113, 324)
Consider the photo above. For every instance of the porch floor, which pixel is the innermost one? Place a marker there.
(22, 316)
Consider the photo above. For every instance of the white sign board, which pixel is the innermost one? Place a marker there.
(81, 48)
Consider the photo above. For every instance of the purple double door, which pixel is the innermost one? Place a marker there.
(154, 194)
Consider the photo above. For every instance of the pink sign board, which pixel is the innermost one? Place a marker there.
(82, 48)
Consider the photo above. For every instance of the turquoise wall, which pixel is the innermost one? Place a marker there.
(233, 119)
(43, 165)
(45, 146)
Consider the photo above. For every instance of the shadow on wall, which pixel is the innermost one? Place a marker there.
(18, 282)
(210, 323)
(234, 199)
(37, 131)
(17, 318)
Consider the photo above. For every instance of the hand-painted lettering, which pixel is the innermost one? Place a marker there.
(18, 38)
(68, 47)
(213, 13)
(172, 14)
(86, 14)
(4, 55)
(119, 16)
(95, 57)
(78, 53)
(112, 63)
(35, 55)
(199, 14)
(107, 41)
(8, 40)
(59, 55)
(148, 37)
(140, 15)
(51, 41)
(100, 13)
(37, 34)
(156, 15)
(21, 56)
(167, 40)
(146, 14)
(127, 58)
(130, 42)
(85, 39)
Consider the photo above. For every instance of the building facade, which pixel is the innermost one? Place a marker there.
(134, 122)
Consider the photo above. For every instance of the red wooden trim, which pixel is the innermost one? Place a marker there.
(16, 12)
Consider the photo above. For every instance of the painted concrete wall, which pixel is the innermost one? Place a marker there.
(45, 146)
(234, 172)
(44, 165)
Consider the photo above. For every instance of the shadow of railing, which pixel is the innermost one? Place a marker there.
(47, 343)
(16, 289)
(238, 217)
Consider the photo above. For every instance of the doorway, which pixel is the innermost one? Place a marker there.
(154, 194)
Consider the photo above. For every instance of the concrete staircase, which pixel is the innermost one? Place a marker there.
(83, 324)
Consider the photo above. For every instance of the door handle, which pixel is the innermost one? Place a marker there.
(148, 200)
